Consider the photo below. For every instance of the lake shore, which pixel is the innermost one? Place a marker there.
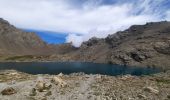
(80, 86)
(67, 58)
(161, 68)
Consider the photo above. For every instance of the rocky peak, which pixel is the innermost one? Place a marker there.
(92, 41)
(13, 40)
(2, 21)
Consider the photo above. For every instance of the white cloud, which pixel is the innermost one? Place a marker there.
(168, 15)
(92, 19)
(76, 40)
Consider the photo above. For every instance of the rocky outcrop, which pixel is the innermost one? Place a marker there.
(140, 45)
(163, 47)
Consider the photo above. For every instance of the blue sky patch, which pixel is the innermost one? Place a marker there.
(50, 37)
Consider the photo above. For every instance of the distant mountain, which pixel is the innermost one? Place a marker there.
(14, 41)
(140, 45)
(50, 37)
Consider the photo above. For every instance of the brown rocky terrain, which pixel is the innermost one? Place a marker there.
(140, 45)
(16, 42)
(79, 86)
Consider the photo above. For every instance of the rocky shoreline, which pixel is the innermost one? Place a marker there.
(79, 86)
(141, 45)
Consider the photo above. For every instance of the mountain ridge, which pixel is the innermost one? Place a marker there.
(140, 45)
(14, 41)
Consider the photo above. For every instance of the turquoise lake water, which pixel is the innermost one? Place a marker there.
(74, 67)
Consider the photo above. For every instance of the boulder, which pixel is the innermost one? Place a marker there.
(60, 75)
(42, 86)
(33, 92)
(59, 81)
(8, 91)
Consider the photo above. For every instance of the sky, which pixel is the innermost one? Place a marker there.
(50, 37)
(82, 19)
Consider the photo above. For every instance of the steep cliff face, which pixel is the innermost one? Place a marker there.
(140, 45)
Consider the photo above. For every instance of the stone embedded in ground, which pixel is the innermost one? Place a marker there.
(44, 98)
(47, 86)
(59, 81)
(48, 93)
(168, 96)
(127, 77)
(99, 77)
(40, 86)
(33, 92)
(151, 90)
(14, 74)
(8, 91)
(60, 75)
(141, 96)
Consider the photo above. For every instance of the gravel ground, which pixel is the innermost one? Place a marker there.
(80, 86)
